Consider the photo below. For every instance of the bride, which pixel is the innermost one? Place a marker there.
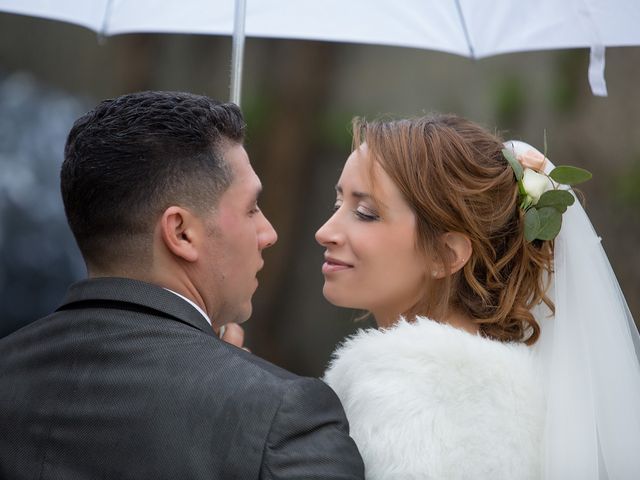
(502, 351)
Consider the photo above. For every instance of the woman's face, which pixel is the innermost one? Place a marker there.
(371, 258)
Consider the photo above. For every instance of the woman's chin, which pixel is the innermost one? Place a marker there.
(337, 298)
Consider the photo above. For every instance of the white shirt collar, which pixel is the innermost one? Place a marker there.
(197, 307)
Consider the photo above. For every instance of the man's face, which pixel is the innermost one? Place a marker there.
(237, 232)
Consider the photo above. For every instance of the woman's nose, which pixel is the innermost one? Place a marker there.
(328, 233)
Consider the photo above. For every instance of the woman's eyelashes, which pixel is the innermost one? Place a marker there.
(366, 214)
(361, 212)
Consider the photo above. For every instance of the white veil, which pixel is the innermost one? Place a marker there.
(590, 351)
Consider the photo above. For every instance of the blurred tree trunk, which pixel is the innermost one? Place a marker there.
(134, 59)
(297, 81)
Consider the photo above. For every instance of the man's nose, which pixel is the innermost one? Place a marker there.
(268, 236)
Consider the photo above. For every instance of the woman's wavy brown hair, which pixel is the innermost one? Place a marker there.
(453, 174)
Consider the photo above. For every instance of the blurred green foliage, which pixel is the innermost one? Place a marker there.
(627, 184)
(334, 130)
(510, 101)
(257, 111)
(565, 89)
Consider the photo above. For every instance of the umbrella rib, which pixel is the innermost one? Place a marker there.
(102, 34)
(472, 53)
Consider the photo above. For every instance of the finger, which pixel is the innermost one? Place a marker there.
(234, 334)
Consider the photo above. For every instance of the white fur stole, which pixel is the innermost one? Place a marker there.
(428, 401)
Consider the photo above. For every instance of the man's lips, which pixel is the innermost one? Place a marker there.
(259, 268)
(331, 265)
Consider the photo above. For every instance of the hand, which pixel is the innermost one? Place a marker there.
(234, 334)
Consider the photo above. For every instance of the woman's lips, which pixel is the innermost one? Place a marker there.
(332, 265)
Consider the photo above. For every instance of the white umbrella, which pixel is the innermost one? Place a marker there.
(472, 28)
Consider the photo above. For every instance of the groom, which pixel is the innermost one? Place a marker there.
(128, 379)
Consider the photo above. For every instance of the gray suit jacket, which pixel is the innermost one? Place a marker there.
(128, 381)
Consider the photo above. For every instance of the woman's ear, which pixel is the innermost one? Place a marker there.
(458, 248)
(179, 231)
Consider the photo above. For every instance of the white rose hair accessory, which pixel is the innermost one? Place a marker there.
(543, 197)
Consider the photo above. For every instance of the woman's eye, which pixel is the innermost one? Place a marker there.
(366, 215)
(254, 210)
(336, 207)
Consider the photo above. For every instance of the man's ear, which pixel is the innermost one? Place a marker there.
(180, 231)
(459, 250)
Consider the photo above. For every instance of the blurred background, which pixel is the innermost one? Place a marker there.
(298, 99)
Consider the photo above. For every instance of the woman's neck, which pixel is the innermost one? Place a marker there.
(454, 318)
(463, 322)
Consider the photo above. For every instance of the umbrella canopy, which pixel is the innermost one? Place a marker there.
(471, 28)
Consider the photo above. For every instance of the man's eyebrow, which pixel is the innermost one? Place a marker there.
(258, 193)
(354, 194)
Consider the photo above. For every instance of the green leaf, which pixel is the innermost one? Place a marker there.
(531, 224)
(550, 223)
(558, 199)
(513, 161)
(568, 175)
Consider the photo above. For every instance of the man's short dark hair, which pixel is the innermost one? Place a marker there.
(131, 157)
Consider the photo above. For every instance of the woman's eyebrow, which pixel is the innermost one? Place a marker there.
(354, 193)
